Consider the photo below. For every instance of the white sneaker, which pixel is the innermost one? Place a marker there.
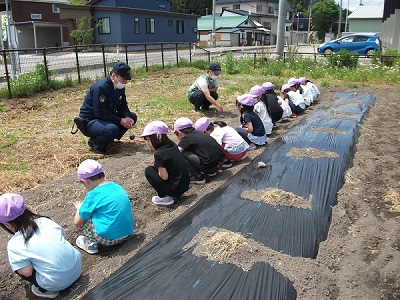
(162, 200)
(47, 294)
(83, 243)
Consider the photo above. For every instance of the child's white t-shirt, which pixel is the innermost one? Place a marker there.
(297, 99)
(307, 95)
(287, 111)
(262, 112)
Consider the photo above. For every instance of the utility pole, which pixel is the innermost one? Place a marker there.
(281, 27)
(340, 19)
(309, 21)
(214, 43)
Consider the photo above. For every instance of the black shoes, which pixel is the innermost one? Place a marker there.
(94, 147)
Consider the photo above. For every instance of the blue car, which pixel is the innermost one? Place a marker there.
(360, 43)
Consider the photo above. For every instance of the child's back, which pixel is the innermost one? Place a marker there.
(204, 146)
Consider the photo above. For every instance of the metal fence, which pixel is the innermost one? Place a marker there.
(94, 61)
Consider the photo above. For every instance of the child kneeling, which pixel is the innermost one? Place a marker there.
(168, 174)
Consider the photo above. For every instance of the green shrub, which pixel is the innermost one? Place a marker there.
(343, 58)
(387, 58)
(229, 63)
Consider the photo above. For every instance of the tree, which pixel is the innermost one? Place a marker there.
(324, 15)
(84, 33)
(78, 2)
(196, 7)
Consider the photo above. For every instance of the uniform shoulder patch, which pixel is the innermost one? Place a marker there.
(102, 99)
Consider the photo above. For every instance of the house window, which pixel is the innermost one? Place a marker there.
(150, 25)
(55, 9)
(179, 27)
(36, 16)
(104, 25)
(236, 6)
(267, 25)
(170, 23)
(136, 26)
(270, 10)
(259, 8)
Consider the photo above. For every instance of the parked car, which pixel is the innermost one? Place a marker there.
(360, 43)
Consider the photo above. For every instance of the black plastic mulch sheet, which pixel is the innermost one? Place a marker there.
(163, 270)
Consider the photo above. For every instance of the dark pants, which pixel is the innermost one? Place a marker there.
(194, 165)
(200, 101)
(276, 116)
(295, 109)
(32, 279)
(243, 133)
(103, 132)
(161, 186)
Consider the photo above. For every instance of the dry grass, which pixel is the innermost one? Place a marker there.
(274, 196)
(327, 129)
(223, 244)
(311, 153)
(393, 198)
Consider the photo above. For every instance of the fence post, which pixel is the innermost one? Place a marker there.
(255, 58)
(126, 53)
(7, 75)
(162, 54)
(46, 70)
(104, 60)
(177, 56)
(77, 64)
(190, 52)
(145, 56)
(209, 57)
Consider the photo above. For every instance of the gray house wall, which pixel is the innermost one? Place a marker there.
(365, 25)
(390, 36)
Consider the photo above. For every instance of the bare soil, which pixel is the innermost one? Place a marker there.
(359, 260)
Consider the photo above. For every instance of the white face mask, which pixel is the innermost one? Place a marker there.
(214, 77)
(119, 85)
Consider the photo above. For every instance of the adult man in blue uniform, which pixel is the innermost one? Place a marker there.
(105, 109)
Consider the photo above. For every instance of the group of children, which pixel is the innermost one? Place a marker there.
(207, 146)
(38, 250)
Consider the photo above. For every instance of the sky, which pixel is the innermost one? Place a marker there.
(353, 4)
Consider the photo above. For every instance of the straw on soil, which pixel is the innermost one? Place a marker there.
(327, 129)
(311, 153)
(274, 196)
(223, 244)
(393, 197)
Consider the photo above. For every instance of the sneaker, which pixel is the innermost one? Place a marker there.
(162, 200)
(94, 147)
(196, 109)
(197, 180)
(212, 174)
(293, 115)
(47, 294)
(83, 243)
(227, 164)
(252, 146)
(242, 158)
